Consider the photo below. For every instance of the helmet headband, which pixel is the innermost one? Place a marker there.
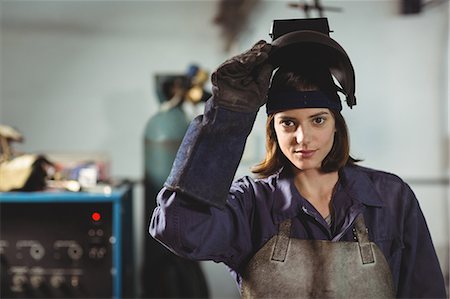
(280, 101)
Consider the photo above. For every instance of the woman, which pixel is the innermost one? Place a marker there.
(314, 224)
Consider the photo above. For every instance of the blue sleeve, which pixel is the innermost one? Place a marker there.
(198, 216)
(420, 273)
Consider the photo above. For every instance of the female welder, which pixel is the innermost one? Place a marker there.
(314, 224)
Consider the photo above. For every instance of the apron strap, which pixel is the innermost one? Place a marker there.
(282, 241)
(360, 231)
(362, 236)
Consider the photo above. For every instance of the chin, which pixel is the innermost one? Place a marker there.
(305, 167)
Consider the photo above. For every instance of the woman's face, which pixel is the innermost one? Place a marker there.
(305, 136)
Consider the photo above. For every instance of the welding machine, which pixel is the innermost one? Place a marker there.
(64, 244)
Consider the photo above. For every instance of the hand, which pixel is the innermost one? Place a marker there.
(241, 83)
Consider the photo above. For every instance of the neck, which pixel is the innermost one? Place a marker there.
(317, 188)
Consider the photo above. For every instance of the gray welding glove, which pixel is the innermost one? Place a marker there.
(241, 83)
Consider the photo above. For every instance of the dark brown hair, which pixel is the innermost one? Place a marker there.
(304, 78)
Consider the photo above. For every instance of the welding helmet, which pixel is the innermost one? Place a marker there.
(298, 39)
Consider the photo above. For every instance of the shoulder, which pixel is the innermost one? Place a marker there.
(247, 184)
(375, 175)
(254, 197)
(367, 182)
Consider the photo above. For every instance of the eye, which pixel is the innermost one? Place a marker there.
(287, 123)
(319, 120)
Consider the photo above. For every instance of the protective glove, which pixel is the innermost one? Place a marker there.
(241, 83)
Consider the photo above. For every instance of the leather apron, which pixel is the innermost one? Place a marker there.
(294, 268)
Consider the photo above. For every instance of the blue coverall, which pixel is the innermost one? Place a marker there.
(189, 221)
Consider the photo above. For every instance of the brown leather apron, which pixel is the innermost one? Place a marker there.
(294, 268)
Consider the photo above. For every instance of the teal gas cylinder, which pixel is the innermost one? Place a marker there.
(165, 130)
(163, 135)
(165, 275)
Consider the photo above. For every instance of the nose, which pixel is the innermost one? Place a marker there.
(302, 135)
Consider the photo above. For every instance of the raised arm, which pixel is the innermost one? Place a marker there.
(197, 215)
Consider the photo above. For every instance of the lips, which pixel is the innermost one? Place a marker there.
(305, 153)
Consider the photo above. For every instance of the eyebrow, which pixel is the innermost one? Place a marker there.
(287, 117)
(319, 114)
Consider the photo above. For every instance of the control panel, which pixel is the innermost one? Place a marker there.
(60, 249)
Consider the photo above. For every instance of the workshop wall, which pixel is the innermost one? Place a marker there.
(77, 76)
